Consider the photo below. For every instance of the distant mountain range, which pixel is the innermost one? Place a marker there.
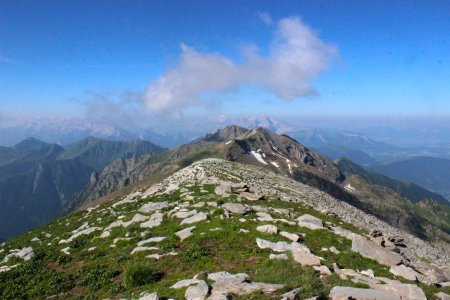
(37, 179)
(361, 144)
(432, 173)
(391, 200)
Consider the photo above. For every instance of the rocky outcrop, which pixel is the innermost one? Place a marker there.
(345, 293)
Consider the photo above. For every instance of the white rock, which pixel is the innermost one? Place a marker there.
(86, 231)
(272, 229)
(324, 270)
(66, 250)
(194, 219)
(152, 206)
(310, 222)
(158, 256)
(278, 256)
(344, 293)
(292, 236)
(151, 240)
(185, 283)
(105, 234)
(404, 271)
(141, 248)
(334, 250)
(197, 292)
(154, 221)
(225, 275)
(185, 233)
(182, 214)
(152, 296)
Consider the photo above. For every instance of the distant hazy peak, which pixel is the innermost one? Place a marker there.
(29, 144)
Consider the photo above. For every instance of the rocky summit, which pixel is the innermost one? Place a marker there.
(219, 229)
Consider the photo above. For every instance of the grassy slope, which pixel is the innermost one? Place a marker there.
(112, 272)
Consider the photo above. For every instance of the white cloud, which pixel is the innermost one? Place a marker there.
(297, 56)
(266, 18)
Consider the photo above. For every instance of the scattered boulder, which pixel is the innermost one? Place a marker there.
(404, 271)
(272, 229)
(152, 240)
(197, 292)
(281, 256)
(371, 250)
(236, 208)
(152, 296)
(292, 236)
(238, 286)
(345, 293)
(154, 221)
(305, 257)
(158, 256)
(183, 214)
(334, 250)
(291, 295)
(152, 206)
(324, 270)
(195, 218)
(185, 233)
(250, 196)
(185, 283)
(142, 248)
(442, 296)
(26, 253)
(86, 231)
(405, 291)
(223, 190)
(277, 247)
(310, 222)
(225, 275)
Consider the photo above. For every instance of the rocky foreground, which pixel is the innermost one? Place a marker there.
(222, 230)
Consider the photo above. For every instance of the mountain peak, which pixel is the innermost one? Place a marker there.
(228, 133)
(30, 144)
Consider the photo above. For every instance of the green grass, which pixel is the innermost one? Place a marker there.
(112, 272)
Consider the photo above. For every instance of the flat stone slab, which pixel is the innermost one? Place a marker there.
(195, 218)
(310, 222)
(152, 206)
(86, 231)
(272, 229)
(404, 271)
(371, 250)
(305, 258)
(154, 221)
(197, 292)
(345, 293)
(143, 248)
(292, 236)
(225, 275)
(185, 233)
(185, 282)
(152, 240)
(405, 291)
(224, 287)
(281, 256)
(442, 296)
(236, 208)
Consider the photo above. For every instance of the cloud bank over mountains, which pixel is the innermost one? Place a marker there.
(296, 57)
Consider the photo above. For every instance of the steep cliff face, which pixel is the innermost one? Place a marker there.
(38, 179)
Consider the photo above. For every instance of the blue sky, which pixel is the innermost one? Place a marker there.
(60, 58)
